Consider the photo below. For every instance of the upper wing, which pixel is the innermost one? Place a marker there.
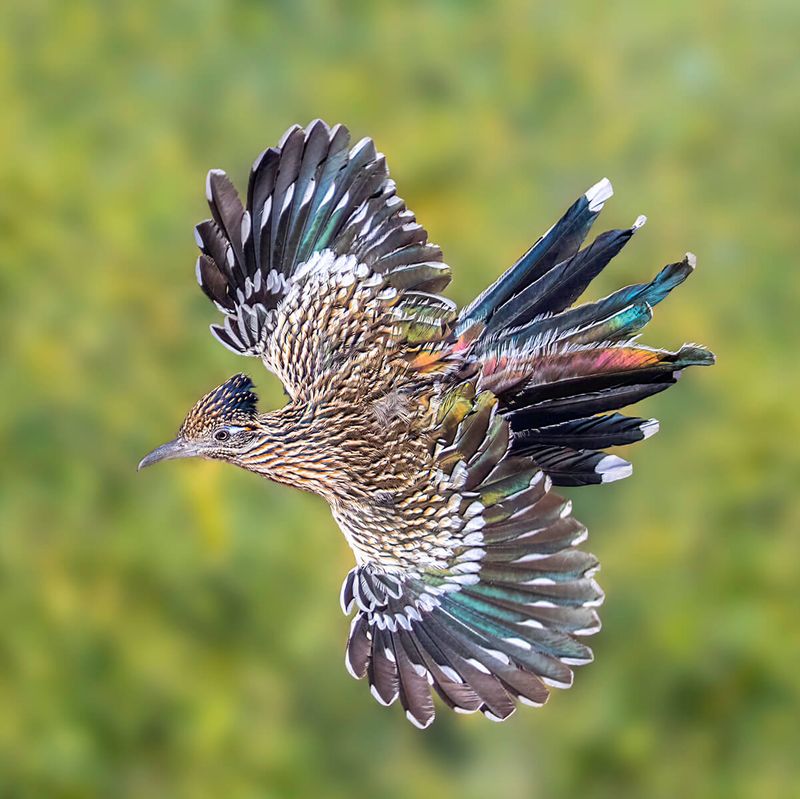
(323, 256)
(485, 606)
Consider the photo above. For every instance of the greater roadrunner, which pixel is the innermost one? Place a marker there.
(434, 434)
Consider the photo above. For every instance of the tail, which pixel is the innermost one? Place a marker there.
(558, 369)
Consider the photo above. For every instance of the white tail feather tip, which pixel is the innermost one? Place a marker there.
(598, 194)
(612, 468)
(649, 428)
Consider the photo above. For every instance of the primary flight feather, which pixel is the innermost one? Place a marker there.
(434, 434)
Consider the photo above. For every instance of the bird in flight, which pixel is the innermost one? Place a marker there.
(435, 434)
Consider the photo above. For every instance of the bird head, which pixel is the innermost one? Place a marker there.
(220, 426)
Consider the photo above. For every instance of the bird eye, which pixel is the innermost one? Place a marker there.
(222, 435)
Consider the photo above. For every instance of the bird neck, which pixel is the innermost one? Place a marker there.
(293, 446)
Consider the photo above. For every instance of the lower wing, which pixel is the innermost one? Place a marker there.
(500, 617)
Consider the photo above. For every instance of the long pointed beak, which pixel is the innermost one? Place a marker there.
(179, 448)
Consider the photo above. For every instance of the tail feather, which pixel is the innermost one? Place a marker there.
(554, 327)
(523, 379)
(560, 243)
(558, 369)
(571, 467)
(562, 284)
(594, 432)
(622, 325)
(594, 368)
(554, 414)
(563, 409)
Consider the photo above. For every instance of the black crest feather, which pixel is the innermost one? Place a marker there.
(235, 397)
(234, 401)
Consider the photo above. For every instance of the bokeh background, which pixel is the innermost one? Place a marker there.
(177, 633)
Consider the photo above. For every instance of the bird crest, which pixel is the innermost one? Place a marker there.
(233, 402)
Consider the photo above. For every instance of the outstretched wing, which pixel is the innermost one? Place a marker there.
(323, 256)
(494, 611)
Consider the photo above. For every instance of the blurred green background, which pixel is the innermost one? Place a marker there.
(177, 633)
